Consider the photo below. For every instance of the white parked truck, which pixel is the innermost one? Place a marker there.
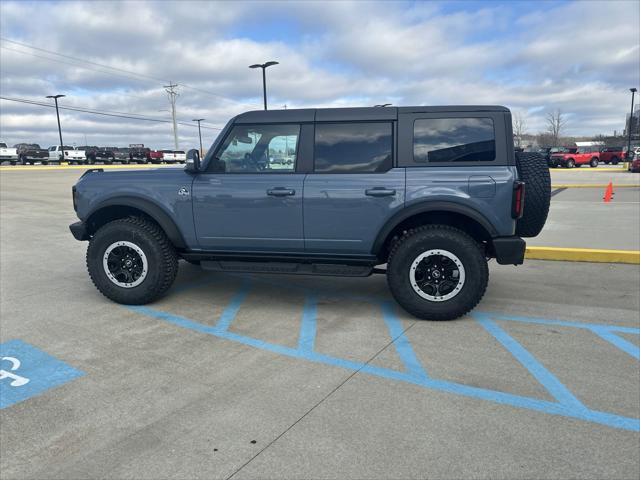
(70, 155)
(8, 154)
(171, 156)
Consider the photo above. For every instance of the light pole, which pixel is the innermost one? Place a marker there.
(55, 98)
(199, 132)
(633, 93)
(264, 66)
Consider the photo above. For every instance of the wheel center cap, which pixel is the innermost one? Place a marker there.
(436, 274)
(128, 263)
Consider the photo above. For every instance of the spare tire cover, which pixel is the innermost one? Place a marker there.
(534, 171)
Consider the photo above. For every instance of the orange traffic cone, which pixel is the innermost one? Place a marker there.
(608, 193)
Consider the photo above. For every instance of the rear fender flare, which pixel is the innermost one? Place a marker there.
(424, 207)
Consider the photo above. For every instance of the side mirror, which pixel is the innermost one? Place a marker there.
(192, 164)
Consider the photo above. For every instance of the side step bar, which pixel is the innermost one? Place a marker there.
(337, 270)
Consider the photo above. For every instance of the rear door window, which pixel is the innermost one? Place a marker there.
(353, 147)
(448, 140)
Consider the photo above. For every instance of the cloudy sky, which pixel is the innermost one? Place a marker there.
(114, 57)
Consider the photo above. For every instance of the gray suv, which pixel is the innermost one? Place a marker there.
(432, 193)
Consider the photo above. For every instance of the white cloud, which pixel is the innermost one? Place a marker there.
(580, 57)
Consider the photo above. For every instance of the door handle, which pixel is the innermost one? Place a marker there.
(281, 192)
(380, 192)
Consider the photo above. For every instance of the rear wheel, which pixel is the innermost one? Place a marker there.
(594, 162)
(570, 163)
(437, 272)
(614, 160)
(131, 261)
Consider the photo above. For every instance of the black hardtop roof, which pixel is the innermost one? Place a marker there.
(356, 113)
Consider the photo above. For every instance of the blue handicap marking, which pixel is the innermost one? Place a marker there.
(26, 371)
(565, 402)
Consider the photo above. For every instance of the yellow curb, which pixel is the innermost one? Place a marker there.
(583, 255)
(619, 169)
(83, 167)
(595, 185)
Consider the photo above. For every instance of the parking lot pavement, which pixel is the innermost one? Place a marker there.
(579, 218)
(600, 175)
(310, 377)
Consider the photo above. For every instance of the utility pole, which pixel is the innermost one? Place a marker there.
(170, 89)
(199, 132)
(55, 98)
(633, 93)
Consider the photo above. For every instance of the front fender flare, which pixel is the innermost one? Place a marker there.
(149, 208)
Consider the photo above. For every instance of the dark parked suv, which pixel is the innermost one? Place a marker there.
(430, 192)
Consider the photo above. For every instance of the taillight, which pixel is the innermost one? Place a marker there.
(73, 195)
(517, 202)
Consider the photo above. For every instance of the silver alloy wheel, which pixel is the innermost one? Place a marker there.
(125, 264)
(437, 275)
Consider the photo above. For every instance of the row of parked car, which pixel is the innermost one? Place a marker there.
(570, 157)
(30, 153)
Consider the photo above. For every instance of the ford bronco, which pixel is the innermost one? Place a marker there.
(432, 193)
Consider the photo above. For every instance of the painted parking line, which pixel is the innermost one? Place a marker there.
(566, 404)
(26, 371)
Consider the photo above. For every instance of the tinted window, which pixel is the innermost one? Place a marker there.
(353, 147)
(258, 148)
(454, 140)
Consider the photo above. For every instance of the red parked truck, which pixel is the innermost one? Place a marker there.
(156, 156)
(612, 155)
(581, 156)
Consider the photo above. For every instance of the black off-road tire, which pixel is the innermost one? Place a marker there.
(429, 237)
(533, 170)
(161, 258)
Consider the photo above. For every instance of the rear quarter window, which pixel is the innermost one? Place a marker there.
(450, 140)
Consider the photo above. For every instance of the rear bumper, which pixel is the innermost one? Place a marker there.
(509, 250)
(79, 231)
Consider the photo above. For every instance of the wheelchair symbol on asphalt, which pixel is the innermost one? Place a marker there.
(16, 380)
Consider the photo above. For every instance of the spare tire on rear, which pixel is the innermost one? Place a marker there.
(533, 170)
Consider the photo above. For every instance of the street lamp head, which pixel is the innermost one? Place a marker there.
(55, 96)
(263, 65)
(197, 119)
(633, 90)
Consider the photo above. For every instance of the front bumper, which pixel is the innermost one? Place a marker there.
(509, 250)
(79, 231)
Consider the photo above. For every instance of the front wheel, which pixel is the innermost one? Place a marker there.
(570, 163)
(131, 261)
(437, 272)
(593, 163)
(614, 161)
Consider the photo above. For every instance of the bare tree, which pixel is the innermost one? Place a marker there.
(555, 124)
(519, 127)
